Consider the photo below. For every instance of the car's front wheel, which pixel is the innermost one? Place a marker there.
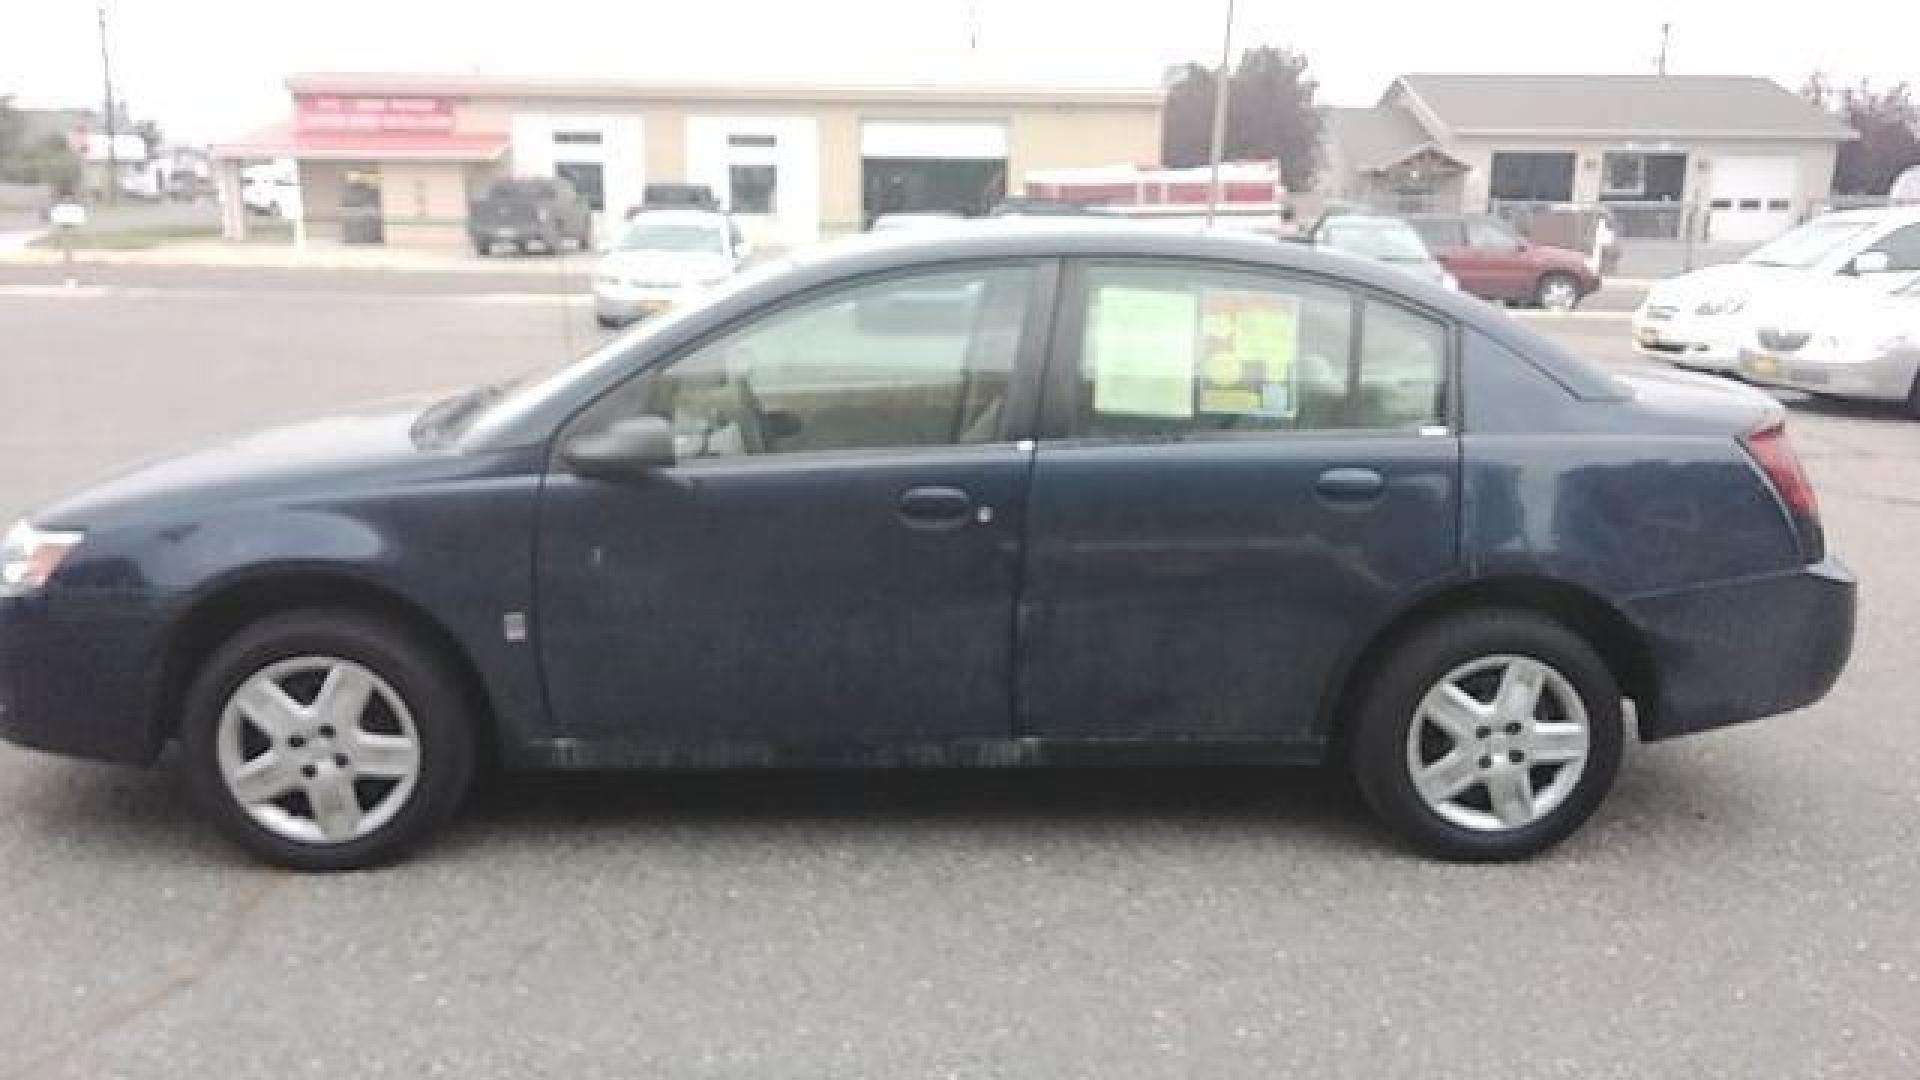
(327, 740)
(1492, 734)
(1557, 292)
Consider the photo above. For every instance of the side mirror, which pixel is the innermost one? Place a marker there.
(626, 450)
(1871, 262)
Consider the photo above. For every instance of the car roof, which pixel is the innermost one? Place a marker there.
(679, 213)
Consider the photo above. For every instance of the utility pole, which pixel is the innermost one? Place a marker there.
(106, 77)
(1219, 117)
(1660, 62)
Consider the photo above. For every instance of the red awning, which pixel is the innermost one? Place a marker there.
(282, 140)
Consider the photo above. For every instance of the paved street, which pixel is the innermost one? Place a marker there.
(1743, 906)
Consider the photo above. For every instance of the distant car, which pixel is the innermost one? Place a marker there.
(1843, 344)
(271, 191)
(676, 197)
(1493, 262)
(987, 498)
(526, 213)
(1708, 319)
(661, 258)
(1388, 240)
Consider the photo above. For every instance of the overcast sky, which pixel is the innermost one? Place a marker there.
(212, 69)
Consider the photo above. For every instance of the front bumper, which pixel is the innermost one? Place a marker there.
(74, 676)
(1740, 650)
(624, 303)
(1886, 377)
(1688, 342)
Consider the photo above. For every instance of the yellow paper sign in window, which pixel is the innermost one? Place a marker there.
(1248, 347)
(1141, 345)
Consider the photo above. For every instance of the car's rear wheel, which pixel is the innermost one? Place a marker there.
(1913, 397)
(1557, 292)
(327, 740)
(1489, 735)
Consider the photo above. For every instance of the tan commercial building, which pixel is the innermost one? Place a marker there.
(792, 163)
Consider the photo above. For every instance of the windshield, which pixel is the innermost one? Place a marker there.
(1807, 244)
(675, 234)
(1388, 241)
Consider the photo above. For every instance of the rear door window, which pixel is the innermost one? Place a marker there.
(1177, 351)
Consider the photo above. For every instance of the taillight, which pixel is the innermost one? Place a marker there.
(1769, 448)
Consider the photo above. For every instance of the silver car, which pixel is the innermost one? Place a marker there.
(1868, 350)
(1383, 239)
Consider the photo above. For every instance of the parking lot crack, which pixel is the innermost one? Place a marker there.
(181, 979)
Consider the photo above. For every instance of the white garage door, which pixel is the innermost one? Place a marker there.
(1752, 198)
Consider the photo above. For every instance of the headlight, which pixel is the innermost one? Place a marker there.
(1725, 305)
(28, 557)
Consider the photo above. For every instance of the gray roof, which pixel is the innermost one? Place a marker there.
(1371, 140)
(1645, 106)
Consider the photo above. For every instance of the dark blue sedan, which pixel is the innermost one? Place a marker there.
(1000, 497)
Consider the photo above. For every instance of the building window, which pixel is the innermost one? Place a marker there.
(752, 189)
(1624, 174)
(588, 179)
(765, 141)
(1546, 178)
(577, 138)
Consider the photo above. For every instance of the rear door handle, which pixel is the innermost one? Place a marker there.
(935, 507)
(1350, 485)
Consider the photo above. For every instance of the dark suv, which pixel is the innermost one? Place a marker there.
(1493, 262)
(528, 212)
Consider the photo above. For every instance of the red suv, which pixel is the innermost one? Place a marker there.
(1493, 262)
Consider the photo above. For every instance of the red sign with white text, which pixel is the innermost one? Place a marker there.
(411, 115)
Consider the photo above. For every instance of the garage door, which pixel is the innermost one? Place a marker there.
(1752, 198)
(935, 167)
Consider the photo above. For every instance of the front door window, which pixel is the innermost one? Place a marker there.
(920, 360)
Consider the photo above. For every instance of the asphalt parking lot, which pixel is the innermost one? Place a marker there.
(1743, 906)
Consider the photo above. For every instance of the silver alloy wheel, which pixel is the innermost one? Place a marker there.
(1559, 294)
(318, 749)
(1498, 743)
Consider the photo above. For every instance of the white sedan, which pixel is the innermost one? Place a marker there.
(1708, 318)
(1850, 347)
(660, 258)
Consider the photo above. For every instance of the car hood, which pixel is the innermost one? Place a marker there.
(1745, 280)
(666, 267)
(293, 461)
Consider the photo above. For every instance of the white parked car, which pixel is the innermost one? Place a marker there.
(1706, 319)
(272, 189)
(661, 257)
(1849, 346)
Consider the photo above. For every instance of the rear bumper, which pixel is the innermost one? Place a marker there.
(73, 677)
(1737, 651)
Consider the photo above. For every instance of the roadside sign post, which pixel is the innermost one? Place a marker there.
(67, 217)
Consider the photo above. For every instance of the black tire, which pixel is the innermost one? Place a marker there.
(1549, 284)
(1913, 398)
(441, 714)
(483, 248)
(1387, 709)
(606, 323)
